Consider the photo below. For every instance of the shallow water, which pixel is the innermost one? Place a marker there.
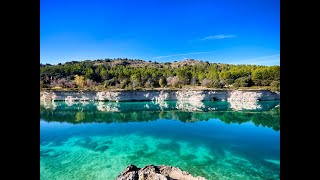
(216, 140)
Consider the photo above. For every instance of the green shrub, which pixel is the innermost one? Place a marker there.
(243, 82)
(275, 86)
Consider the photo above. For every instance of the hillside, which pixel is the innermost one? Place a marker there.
(139, 74)
(133, 63)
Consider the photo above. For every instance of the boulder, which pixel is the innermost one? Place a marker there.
(152, 172)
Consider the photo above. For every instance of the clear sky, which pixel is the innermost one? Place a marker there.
(226, 31)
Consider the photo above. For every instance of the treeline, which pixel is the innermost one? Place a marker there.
(135, 74)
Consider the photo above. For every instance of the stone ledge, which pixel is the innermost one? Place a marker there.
(152, 172)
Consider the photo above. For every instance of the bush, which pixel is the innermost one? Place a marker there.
(63, 83)
(135, 84)
(266, 82)
(90, 84)
(229, 81)
(123, 83)
(111, 82)
(151, 83)
(217, 84)
(79, 80)
(162, 82)
(212, 83)
(194, 81)
(206, 82)
(128, 87)
(148, 84)
(174, 81)
(275, 86)
(243, 82)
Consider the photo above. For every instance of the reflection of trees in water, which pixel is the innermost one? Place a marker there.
(137, 112)
(163, 105)
(270, 118)
(79, 116)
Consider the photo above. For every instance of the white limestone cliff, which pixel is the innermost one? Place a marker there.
(161, 96)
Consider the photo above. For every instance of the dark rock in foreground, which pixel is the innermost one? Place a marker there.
(152, 172)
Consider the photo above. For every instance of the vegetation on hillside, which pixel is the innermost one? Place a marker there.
(138, 74)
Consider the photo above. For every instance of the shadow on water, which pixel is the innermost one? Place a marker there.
(264, 113)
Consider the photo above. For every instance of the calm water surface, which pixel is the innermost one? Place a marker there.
(216, 140)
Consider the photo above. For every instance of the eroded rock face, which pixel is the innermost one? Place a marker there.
(244, 96)
(161, 96)
(190, 96)
(152, 172)
(110, 96)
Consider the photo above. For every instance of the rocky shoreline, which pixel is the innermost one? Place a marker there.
(161, 95)
(152, 172)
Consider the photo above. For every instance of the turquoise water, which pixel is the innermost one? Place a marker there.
(216, 140)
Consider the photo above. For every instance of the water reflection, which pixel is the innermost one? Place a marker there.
(48, 104)
(190, 105)
(244, 105)
(260, 113)
(108, 107)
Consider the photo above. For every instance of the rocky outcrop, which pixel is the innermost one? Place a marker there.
(190, 95)
(108, 96)
(68, 95)
(44, 96)
(160, 96)
(152, 172)
(244, 96)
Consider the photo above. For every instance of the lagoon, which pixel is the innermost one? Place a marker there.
(213, 139)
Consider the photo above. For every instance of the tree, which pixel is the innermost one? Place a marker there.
(213, 75)
(217, 84)
(103, 74)
(79, 80)
(135, 80)
(184, 75)
(257, 77)
(201, 76)
(275, 85)
(174, 81)
(139, 73)
(162, 82)
(243, 82)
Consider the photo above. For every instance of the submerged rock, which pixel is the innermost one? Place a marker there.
(152, 172)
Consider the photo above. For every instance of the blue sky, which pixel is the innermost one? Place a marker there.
(226, 31)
